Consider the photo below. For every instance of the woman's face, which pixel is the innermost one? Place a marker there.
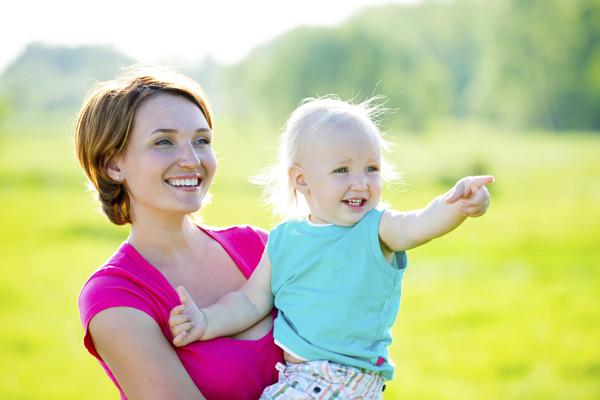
(168, 164)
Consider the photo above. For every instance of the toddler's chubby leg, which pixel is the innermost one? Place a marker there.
(187, 321)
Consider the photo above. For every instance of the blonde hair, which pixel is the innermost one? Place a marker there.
(314, 116)
(105, 122)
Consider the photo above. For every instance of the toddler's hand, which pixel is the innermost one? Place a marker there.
(187, 321)
(472, 193)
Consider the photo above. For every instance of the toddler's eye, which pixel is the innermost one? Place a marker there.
(372, 168)
(340, 170)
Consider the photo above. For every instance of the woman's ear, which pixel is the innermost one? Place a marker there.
(114, 171)
(296, 176)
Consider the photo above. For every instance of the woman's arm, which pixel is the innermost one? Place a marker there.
(405, 230)
(140, 357)
(231, 314)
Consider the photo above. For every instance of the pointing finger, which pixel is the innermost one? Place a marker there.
(481, 180)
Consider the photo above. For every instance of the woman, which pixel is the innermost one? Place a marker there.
(144, 141)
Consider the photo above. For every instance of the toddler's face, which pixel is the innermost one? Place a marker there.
(342, 174)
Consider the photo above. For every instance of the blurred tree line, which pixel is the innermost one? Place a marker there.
(522, 63)
(55, 79)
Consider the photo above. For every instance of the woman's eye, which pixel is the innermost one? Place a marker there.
(163, 142)
(201, 141)
(340, 170)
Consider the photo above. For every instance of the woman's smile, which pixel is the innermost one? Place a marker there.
(188, 183)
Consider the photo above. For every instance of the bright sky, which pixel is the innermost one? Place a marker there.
(173, 31)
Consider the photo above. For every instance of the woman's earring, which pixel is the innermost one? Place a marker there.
(118, 178)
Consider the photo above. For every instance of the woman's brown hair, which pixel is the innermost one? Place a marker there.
(105, 122)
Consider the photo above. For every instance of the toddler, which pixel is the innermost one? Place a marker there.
(334, 274)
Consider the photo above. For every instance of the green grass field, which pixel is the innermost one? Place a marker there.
(506, 307)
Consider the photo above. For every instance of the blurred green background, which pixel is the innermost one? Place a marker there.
(506, 307)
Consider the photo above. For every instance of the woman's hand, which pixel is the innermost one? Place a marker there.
(472, 193)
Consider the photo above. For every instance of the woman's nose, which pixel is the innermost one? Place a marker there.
(189, 157)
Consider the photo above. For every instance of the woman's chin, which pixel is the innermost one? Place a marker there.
(194, 205)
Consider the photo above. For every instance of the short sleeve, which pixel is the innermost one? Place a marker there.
(106, 289)
(263, 236)
(244, 244)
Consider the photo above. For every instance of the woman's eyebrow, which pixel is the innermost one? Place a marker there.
(171, 130)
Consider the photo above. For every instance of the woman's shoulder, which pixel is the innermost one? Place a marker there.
(123, 281)
(239, 232)
(244, 244)
(121, 266)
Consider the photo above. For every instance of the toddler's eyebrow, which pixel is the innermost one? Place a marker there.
(369, 161)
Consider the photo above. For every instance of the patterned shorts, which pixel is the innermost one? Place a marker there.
(324, 380)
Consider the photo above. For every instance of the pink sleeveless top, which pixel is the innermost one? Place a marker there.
(222, 368)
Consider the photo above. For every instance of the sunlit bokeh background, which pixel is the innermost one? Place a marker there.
(506, 307)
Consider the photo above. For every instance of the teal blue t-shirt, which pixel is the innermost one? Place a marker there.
(336, 293)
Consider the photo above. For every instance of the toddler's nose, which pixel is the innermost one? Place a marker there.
(359, 183)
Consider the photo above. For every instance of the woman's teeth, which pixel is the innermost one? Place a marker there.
(183, 182)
